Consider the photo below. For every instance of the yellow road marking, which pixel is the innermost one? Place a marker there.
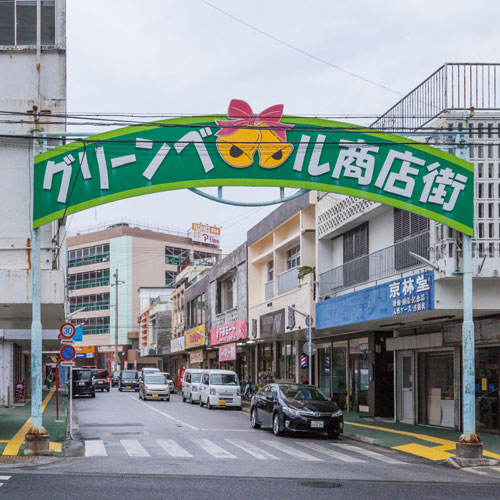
(432, 453)
(15, 443)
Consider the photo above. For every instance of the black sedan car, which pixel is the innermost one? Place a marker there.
(83, 383)
(297, 408)
(129, 380)
(115, 378)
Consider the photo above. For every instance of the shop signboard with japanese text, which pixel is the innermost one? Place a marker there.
(231, 332)
(408, 295)
(178, 344)
(195, 337)
(204, 233)
(272, 323)
(254, 149)
(196, 357)
(227, 352)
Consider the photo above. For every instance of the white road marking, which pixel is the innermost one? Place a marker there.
(134, 448)
(5, 478)
(229, 430)
(213, 449)
(251, 449)
(289, 450)
(330, 452)
(369, 453)
(1, 484)
(164, 414)
(173, 449)
(475, 471)
(95, 448)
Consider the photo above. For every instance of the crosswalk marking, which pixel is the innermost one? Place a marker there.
(251, 449)
(95, 448)
(134, 448)
(330, 452)
(4, 478)
(173, 449)
(289, 450)
(213, 449)
(369, 453)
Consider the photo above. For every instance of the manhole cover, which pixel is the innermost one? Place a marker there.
(320, 484)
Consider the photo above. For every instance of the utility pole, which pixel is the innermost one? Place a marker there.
(115, 284)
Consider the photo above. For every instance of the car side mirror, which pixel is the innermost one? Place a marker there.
(269, 397)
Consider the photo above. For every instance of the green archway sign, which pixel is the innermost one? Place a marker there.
(245, 149)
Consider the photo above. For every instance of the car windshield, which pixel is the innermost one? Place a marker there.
(83, 375)
(129, 374)
(168, 376)
(116, 374)
(196, 377)
(154, 379)
(223, 379)
(302, 393)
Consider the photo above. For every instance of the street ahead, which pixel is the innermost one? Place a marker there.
(154, 449)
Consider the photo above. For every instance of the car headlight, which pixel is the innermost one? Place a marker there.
(212, 392)
(337, 413)
(237, 392)
(291, 413)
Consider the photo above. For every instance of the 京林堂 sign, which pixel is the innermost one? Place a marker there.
(248, 149)
(399, 297)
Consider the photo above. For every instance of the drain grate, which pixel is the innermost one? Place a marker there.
(10, 459)
(320, 484)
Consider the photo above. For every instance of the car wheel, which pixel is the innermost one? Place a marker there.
(333, 434)
(253, 419)
(92, 395)
(108, 389)
(168, 399)
(183, 398)
(201, 402)
(209, 406)
(120, 389)
(191, 399)
(276, 425)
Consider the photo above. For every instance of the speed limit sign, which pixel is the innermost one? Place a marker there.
(67, 331)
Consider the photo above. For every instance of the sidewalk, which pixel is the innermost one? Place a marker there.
(15, 421)
(433, 443)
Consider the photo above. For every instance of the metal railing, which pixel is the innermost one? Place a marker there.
(91, 259)
(78, 285)
(289, 280)
(453, 86)
(375, 266)
(95, 329)
(269, 290)
(90, 306)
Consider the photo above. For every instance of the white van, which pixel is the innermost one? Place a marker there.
(220, 388)
(191, 385)
(147, 371)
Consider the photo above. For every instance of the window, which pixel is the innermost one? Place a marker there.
(18, 22)
(226, 294)
(293, 257)
(204, 258)
(175, 255)
(270, 270)
(355, 246)
(196, 311)
(407, 228)
(170, 279)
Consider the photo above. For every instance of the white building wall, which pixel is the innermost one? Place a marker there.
(381, 231)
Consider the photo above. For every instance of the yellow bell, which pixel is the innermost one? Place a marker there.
(273, 151)
(238, 149)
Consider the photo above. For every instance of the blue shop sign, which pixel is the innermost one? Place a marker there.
(395, 298)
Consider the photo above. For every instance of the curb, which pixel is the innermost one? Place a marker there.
(363, 439)
(36, 462)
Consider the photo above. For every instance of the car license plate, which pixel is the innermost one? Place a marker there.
(81, 383)
(100, 382)
(128, 387)
(154, 395)
(222, 403)
(317, 423)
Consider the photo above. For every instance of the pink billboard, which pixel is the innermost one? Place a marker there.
(227, 352)
(231, 332)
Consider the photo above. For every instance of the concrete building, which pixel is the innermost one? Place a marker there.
(228, 315)
(142, 258)
(32, 89)
(279, 247)
(391, 324)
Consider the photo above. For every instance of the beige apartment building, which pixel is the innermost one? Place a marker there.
(280, 246)
(142, 258)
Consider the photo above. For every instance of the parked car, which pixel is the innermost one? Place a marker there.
(154, 386)
(170, 381)
(115, 378)
(145, 371)
(297, 408)
(101, 380)
(83, 382)
(129, 380)
(191, 385)
(220, 388)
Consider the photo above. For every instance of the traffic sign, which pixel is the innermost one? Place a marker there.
(67, 353)
(67, 363)
(67, 330)
(309, 348)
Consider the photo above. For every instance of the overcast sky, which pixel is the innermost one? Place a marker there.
(187, 57)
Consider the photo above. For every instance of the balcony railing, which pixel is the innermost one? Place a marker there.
(95, 329)
(269, 290)
(375, 266)
(90, 306)
(78, 285)
(289, 280)
(91, 259)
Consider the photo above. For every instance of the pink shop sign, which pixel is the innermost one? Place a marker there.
(231, 332)
(227, 352)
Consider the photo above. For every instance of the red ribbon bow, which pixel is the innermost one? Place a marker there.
(243, 116)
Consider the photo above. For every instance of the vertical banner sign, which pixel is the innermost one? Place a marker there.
(254, 149)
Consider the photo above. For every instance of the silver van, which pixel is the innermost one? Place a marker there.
(220, 388)
(191, 385)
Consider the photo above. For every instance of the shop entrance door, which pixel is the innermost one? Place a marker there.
(406, 412)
